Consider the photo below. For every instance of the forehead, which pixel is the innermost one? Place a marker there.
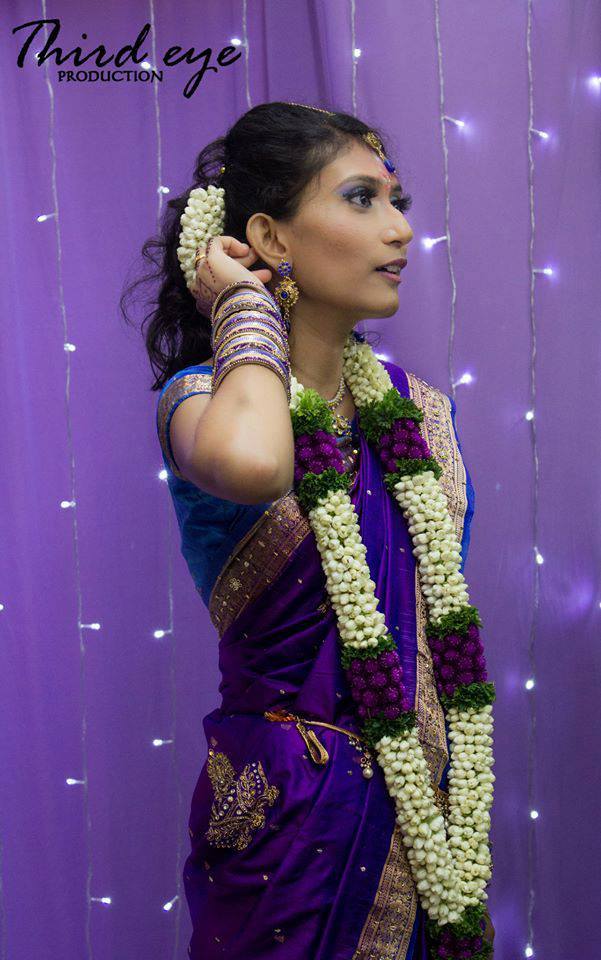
(356, 160)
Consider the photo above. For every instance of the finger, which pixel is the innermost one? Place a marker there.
(230, 245)
(263, 275)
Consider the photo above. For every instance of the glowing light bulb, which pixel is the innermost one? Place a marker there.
(429, 242)
(529, 683)
(163, 474)
(235, 41)
(44, 216)
(539, 557)
(168, 906)
(458, 123)
(534, 814)
(530, 415)
(146, 65)
(69, 347)
(65, 504)
(357, 53)
(163, 189)
(528, 952)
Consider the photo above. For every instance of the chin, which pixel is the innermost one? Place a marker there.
(387, 311)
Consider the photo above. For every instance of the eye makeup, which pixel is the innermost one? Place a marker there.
(404, 200)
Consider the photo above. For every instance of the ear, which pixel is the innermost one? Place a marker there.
(265, 236)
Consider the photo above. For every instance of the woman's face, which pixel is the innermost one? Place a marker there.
(344, 229)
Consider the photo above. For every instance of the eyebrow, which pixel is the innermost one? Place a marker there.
(371, 181)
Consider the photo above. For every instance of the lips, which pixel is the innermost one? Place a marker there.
(400, 264)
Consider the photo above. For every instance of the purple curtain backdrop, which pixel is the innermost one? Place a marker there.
(87, 704)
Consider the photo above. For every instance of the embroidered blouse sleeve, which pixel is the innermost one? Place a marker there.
(183, 384)
(470, 492)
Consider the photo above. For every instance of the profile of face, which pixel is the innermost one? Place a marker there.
(345, 228)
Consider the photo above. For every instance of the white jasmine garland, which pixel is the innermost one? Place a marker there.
(451, 872)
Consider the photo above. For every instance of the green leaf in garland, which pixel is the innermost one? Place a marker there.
(314, 486)
(467, 926)
(456, 621)
(408, 466)
(377, 416)
(348, 654)
(470, 696)
(312, 414)
(375, 728)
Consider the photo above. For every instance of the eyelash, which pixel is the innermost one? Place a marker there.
(405, 200)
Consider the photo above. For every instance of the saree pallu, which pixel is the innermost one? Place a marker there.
(294, 853)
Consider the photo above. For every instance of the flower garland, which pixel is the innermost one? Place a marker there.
(451, 872)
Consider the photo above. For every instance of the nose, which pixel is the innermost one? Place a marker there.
(399, 230)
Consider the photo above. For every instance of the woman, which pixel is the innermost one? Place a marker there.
(296, 851)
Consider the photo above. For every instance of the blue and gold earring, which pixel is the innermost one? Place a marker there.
(286, 292)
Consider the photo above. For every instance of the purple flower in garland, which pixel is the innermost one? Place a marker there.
(376, 685)
(452, 947)
(458, 659)
(315, 452)
(403, 440)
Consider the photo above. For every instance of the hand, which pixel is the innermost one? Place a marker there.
(227, 260)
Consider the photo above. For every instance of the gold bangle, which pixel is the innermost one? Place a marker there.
(262, 360)
(226, 314)
(238, 283)
(251, 328)
(245, 344)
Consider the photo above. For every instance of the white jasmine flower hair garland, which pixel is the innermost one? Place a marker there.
(450, 861)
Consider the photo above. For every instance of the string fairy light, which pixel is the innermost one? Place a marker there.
(72, 505)
(539, 559)
(447, 235)
(169, 631)
(530, 415)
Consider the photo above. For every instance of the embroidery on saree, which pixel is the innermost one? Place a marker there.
(176, 392)
(237, 812)
(387, 930)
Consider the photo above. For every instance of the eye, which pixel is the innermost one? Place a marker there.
(404, 201)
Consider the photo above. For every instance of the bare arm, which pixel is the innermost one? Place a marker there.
(237, 445)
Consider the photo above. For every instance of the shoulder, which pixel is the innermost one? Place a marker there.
(190, 382)
(416, 387)
(193, 378)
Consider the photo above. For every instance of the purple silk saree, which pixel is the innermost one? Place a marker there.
(295, 854)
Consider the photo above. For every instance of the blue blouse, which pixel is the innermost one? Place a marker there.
(210, 527)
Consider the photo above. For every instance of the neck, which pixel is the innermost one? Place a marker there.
(316, 349)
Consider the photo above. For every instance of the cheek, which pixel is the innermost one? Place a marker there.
(338, 245)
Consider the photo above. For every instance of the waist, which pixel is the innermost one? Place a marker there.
(320, 756)
(317, 750)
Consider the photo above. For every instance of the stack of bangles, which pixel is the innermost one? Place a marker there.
(248, 328)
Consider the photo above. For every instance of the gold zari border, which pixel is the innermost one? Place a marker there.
(176, 392)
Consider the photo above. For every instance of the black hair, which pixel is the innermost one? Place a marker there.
(270, 154)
